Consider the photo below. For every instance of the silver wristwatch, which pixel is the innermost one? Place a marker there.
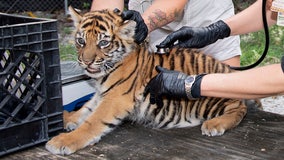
(188, 82)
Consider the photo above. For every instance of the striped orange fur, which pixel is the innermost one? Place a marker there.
(121, 70)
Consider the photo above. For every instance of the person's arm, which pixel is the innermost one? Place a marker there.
(250, 19)
(254, 83)
(141, 30)
(162, 12)
(107, 4)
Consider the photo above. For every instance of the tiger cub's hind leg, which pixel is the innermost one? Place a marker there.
(232, 116)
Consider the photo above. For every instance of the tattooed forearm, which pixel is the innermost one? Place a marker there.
(160, 18)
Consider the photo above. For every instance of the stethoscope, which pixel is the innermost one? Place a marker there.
(266, 31)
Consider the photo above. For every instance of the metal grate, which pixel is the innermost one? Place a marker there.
(41, 5)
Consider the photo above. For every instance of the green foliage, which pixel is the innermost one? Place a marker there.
(67, 30)
(253, 44)
(86, 5)
(67, 52)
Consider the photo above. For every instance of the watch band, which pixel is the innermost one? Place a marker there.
(188, 82)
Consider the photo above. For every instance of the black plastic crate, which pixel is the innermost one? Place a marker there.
(30, 82)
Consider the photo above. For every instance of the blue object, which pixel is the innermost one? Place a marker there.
(78, 103)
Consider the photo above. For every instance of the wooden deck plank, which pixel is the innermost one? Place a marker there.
(259, 136)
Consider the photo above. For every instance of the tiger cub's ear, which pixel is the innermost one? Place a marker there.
(127, 30)
(76, 17)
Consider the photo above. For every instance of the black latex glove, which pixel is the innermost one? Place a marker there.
(167, 83)
(141, 30)
(196, 37)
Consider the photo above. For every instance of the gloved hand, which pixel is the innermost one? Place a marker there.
(196, 37)
(141, 30)
(166, 83)
(171, 84)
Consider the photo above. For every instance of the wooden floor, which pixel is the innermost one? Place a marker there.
(259, 136)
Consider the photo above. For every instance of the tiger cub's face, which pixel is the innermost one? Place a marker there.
(102, 40)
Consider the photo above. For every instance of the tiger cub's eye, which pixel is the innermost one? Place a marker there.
(80, 41)
(103, 43)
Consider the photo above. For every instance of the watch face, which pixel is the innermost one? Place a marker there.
(189, 79)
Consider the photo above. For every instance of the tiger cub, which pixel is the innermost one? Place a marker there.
(121, 69)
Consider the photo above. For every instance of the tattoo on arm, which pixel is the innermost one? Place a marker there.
(160, 18)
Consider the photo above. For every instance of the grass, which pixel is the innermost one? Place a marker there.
(67, 52)
(253, 44)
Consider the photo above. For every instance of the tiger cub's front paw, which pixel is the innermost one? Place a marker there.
(62, 145)
(212, 128)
